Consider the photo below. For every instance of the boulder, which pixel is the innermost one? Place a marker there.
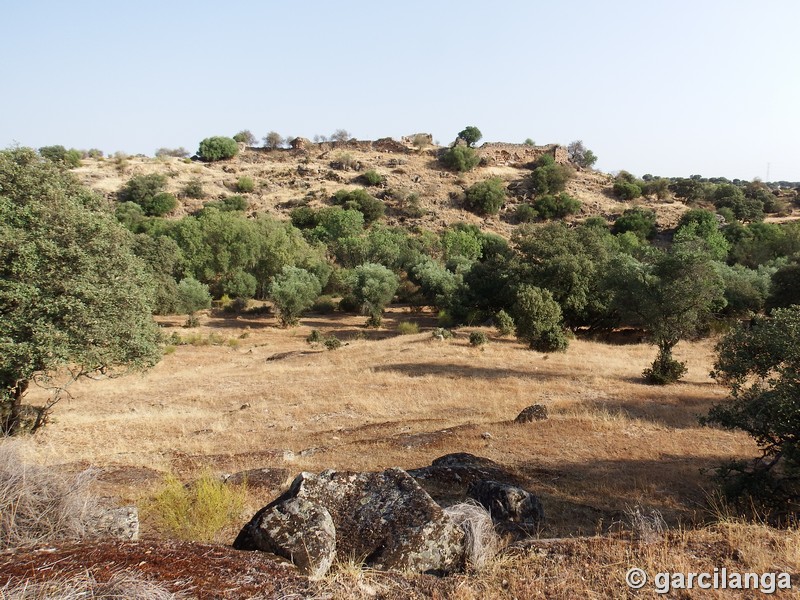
(535, 412)
(513, 509)
(386, 520)
(268, 477)
(449, 477)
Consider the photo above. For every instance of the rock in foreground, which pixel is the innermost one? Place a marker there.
(385, 520)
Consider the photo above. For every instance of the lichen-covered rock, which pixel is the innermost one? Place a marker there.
(513, 509)
(535, 412)
(386, 520)
(119, 522)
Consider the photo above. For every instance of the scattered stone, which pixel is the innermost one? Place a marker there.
(535, 412)
(244, 406)
(486, 435)
(383, 519)
(513, 509)
(120, 523)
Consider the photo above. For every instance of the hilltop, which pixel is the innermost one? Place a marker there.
(311, 173)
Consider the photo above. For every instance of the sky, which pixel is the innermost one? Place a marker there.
(666, 87)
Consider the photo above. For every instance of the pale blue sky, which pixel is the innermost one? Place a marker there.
(669, 87)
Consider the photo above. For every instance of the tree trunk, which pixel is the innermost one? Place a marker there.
(11, 408)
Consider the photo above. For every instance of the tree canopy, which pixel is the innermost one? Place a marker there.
(74, 300)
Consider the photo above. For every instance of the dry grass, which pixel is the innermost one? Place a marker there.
(37, 504)
(482, 542)
(121, 585)
(385, 400)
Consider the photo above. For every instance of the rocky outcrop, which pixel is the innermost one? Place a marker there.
(454, 478)
(534, 412)
(113, 522)
(386, 520)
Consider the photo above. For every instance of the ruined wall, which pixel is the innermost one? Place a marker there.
(518, 155)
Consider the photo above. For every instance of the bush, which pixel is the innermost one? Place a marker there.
(332, 342)
(245, 185)
(549, 177)
(197, 511)
(161, 204)
(370, 207)
(374, 286)
(525, 213)
(486, 197)
(407, 328)
(627, 190)
(38, 505)
(372, 177)
(664, 371)
(315, 337)
(217, 148)
(192, 296)
(580, 155)
(504, 323)
(62, 156)
(141, 188)
(460, 158)
(556, 207)
(538, 320)
(194, 189)
(641, 221)
(442, 333)
(478, 338)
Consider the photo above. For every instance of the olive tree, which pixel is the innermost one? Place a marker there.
(293, 291)
(760, 362)
(374, 287)
(471, 135)
(74, 300)
(538, 320)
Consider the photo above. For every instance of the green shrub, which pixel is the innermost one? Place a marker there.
(460, 158)
(194, 189)
(580, 155)
(627, 190)
(315, 337)
(407, 328)
(245, 185)
(664, 370)
(372, 177)
(639, 220)
(349, 304)
(161, 204)
(538, 320)
(60, 155)
(504, 323)
(198, 511)
(556, 207)
(370, 207)
(141, 189)
(441, 333)
(374, 287)
(478, 338)
(549, 177)
(217, 148)
(192, 296)
(332, 342)
(525, 213)
(486, 197)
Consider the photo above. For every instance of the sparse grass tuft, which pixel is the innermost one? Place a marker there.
(407, 328)
(481, 540)
(122, 584)
(196, 511)
(39, 505)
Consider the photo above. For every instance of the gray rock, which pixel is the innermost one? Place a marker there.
(513, 509)
(119, 522)
(535, 412)
(448, 477)
(386, 520)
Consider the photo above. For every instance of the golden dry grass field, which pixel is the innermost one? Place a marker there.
(261, 396)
